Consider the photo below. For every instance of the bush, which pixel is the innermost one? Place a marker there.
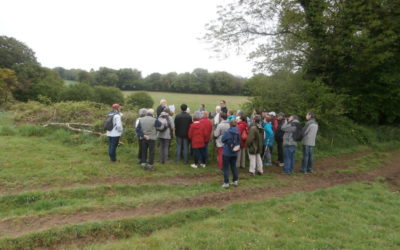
(77, 92)
(108, 95)
(140, 100)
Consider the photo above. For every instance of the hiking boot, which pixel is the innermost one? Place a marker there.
(143, 165)
(251, 174)
(235, 183)
(193, 165)
(260, 173)
(281, 164)
(203, 165)
(225, 185)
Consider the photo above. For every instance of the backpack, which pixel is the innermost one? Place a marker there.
(108, 124)
(162, 128)
(298, 134)
(244, 135)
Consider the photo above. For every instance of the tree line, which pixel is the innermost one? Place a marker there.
(198, 81)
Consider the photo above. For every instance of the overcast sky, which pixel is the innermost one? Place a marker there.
(149, 35)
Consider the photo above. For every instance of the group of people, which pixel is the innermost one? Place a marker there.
(234, 135)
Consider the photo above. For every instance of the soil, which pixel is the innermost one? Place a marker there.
(327, 176)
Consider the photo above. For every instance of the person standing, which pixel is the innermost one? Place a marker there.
(243, 129)
(289, 127)
(279, 138)
(309, 136)
(222, 127)
(161, 107)
(224, 109)
(254, 144)
(142, 113)
(182, 123)
(231, 140)
(115, 133)
(208, 127)
(217, 116)
(165, 134)
(146, 129)
(268, 140)
(197, 137)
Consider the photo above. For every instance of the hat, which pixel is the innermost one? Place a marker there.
(272, 113)
(265, 110)
(281, 114)
(116, 106)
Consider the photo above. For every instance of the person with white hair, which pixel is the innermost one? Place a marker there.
(216, 117)
(163, 105)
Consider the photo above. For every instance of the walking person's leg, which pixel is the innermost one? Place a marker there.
(259, 164)
(292, 156)
(234, 169)
(179, 144)
(252, 163)
(310, 159)
(145, 146)
(152, 144)
(226, 169)
(219, 157)
(185, 150)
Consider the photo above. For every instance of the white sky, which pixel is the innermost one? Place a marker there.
(149, 35)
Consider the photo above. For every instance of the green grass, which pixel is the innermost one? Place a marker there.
(194, 100)
(358, 216)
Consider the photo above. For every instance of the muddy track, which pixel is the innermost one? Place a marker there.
(294, 183)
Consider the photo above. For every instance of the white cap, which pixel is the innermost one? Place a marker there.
(272, 113)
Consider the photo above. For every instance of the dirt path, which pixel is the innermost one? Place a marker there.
(295, 183)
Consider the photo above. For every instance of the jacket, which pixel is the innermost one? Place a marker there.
(269, 134)
(197, 135)
(231, 138)
(117, 123)
(166, 134)
(288, 130)
(310, 133)
(208, 127)
(254, 140)
(182, 123)
(219, 132)
(242, 126)
(147, 126)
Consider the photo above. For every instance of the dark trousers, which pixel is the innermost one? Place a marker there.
(148, 145)
(279, 143)
(205, 149)
(229, 162)
(112, 147)
(140, 149)
(182, 147)
(199, 156)
(306, 165)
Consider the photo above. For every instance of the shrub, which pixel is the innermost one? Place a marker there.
(77, 92)
(108, 95)
(140, 100)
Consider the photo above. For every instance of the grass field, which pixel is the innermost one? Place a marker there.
(58, 190)
(194, 100)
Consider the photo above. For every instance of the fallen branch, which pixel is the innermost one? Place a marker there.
(68, 125)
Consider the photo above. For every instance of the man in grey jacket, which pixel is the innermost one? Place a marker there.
(289, 144)
(309, 135)
(146, 130)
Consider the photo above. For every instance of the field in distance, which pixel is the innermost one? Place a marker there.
(194, 100)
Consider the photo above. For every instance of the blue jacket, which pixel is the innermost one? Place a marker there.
(269, 134)
(231, 138)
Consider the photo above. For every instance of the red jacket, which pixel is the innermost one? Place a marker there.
(207, 124)
(275, 125)
(197, 135)
(242, 126)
